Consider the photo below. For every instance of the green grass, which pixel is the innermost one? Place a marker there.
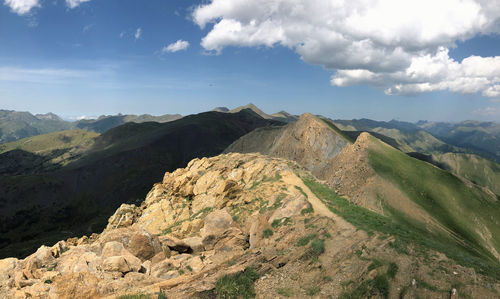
(238, 285)
(267, 233)
(442, 195)
(316, 249)
(379, 285)
(307, 211)
(313, 291)
(305, 240)
(405, 234)
(392, 270)
(135, 296)
(287, 292)
(301, 191)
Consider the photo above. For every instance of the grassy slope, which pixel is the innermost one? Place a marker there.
(49, 142)
(474, 168)
(408, 237)
(464, 210)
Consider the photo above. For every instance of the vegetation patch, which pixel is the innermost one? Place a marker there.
(307, 211)
(287, 292)
(305, 240)
(135, 296)
(392, 270)
(267, 233)
(238, 285)
(369, 288)
(405, 234)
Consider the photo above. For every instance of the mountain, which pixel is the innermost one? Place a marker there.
(244, 226)
(483, 137)
(57, 201)
(104, 123)
(418, 143)
(379, 177)
(16, 125)
(409, 137)
(282, 116)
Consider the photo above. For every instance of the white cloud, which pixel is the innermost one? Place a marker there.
(22, 7)
(138, 33)
(177, 46)
(487, 111)
(401, 45)
(75, 3)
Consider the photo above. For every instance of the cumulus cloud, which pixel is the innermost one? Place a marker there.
(22, 7)
(402, 46)
(138, 33)
(177, 46)
(75, 3)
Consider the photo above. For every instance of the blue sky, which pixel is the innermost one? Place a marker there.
(105, 57)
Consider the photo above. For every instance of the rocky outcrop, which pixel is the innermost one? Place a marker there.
(218, 216)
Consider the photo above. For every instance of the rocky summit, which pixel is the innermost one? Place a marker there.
(235, 225)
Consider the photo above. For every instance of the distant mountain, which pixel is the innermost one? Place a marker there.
(221, 109)
(16, 125)
(56, 201)
(282, 116)
(104, 123)
(414, 140)
(377, 176)
(483, 137)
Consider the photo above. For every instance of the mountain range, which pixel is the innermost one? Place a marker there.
(312, 206)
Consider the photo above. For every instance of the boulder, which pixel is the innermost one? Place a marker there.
(116, 264)
(216, 223)
(82, 285)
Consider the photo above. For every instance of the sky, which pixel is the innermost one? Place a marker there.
(385, 59)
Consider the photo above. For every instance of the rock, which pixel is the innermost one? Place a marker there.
(116, 264)
(82, 285)
(195, 243)
(195, 263)
(7, 267)
(123, 217)
(291, 206)
(176, 244)
(165, 269)
(138, 242)
(158, 258)
(216, 223)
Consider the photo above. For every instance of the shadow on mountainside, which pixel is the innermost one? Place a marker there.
(121, 167)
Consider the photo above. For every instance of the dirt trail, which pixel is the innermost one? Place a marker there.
(318, 206)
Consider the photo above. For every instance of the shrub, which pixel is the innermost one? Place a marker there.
(238, 285)
(267, 233)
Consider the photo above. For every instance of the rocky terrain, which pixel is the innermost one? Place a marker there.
(381, 178)
(239, 225)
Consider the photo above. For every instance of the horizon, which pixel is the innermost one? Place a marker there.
(75, 117)
(90, 57)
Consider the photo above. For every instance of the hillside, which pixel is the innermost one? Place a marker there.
(483, 137)
(17, 125)
(104, 123)
(379, 177)
(242, 226)
(77, 198)
(420, 144)
(45, 152)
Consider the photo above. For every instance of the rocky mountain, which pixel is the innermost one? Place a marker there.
(16, 125)
(69, 190)
(377, 176)
(245, 225)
